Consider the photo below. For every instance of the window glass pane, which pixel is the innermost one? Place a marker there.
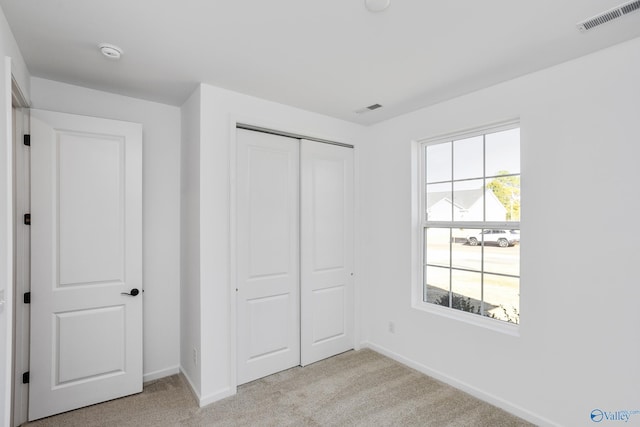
(502, 260)
(438, 162)
(467, 158)
(436, 250)
(466, 291)
(502, 151)
(464, 255)
(468, 200)
(502, 298)
(473, 180)
(439, 202)
(436, 281)
(506, 203)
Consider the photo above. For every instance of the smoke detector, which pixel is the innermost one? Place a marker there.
(609, 15)
(110, 51)
(376, 5)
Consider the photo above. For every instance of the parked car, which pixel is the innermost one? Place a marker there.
(502, 238)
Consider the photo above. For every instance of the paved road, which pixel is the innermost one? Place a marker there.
(498, 290)
(496, 260)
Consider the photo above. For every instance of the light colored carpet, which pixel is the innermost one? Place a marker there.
(357, 388)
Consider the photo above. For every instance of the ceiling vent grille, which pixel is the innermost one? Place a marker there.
(630, 7)
(609, 15)
(372, 107)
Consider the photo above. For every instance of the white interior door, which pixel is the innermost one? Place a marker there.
(327, 257)
(86, 235)
(268, 322)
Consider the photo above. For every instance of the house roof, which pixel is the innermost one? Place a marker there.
(463, 199)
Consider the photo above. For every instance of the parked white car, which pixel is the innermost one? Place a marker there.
(502, 238)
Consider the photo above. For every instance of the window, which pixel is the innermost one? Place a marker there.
(470, 227)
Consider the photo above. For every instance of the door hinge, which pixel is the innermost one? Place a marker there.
(26, 139)
(25, 378)
(27, 219)
(27, 298)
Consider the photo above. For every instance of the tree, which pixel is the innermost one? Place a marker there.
(507, 189)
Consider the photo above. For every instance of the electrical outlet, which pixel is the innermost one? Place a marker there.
(392, 327)
(195, 356)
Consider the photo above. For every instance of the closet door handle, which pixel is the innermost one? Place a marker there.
(132, 293)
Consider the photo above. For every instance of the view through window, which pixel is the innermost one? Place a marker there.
(471, 223)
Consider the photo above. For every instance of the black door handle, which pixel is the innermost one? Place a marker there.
(132, 293)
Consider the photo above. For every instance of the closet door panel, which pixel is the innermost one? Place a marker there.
(327, 295)
(268, 278)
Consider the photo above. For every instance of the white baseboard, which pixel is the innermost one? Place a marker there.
(214, 397)
(160, 374)
(191, 386)
(467, 388)
(210, 398)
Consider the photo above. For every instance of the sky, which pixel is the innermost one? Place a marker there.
(502, 154)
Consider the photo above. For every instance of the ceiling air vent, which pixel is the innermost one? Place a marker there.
(609, 15)
(372, 107)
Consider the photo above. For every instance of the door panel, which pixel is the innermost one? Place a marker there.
(328, 313)
(327, 209)
(97, 198)
(327, 295)
(266, 317)
(267, 254)
(86, 235)
(91, 343)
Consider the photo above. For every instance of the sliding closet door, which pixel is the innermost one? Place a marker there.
(268, 277)
(327, 208)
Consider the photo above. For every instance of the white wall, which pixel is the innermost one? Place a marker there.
(9, 49)
(11, 63)
(160, 204)
(190, 241)
(219, 110)
(578, 347)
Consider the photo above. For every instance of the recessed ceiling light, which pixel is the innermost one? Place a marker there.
(377, 5)
(110, 51)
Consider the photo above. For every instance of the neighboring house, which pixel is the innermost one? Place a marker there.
(467, 206)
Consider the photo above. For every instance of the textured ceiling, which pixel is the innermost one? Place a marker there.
(332, 56)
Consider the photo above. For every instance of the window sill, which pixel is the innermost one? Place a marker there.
(473, 319)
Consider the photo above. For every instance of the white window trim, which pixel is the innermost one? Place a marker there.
(417, 227)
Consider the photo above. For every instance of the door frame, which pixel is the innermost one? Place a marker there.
(252, 123)
(21, 250)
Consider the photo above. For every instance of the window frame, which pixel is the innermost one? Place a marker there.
(421, 224)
